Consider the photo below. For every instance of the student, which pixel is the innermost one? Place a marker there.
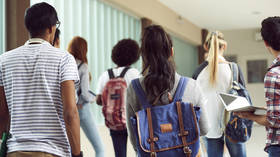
(37, 92)
(124, 54)
(56, 40)
(215, 75)
(270, 32)
(161, 78)
(78, 48)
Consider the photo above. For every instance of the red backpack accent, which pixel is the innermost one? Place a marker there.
(114, 101)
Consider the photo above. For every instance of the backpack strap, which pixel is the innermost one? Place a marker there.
(183, 133)
(275, 65)
(180, 88)
(235, 75)
(152, 138)
(199, 69)
(111, 73)
(234, 70)
(79, 91)
(124, 71)
(140, 93)
(80, 65)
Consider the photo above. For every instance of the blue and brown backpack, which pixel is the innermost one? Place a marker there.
(167, 130)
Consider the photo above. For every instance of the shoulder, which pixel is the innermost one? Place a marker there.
(12, 52)
(83, 66)
(273, 75)
(104, 77)
(133, 71)
(199, 69)
(192, 85)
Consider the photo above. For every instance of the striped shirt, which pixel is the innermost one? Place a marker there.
(31, 76)
(272, 97)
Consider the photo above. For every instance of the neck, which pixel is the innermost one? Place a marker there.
(274, 52)
(45, 37)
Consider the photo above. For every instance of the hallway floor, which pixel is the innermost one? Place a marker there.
(255, 145)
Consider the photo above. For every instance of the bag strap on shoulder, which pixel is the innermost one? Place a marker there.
(80, 65)
(180, 88)
(140, 93)
(199, 69)
(124, 72)
(275, 65)
(111, 73)
(234, 70)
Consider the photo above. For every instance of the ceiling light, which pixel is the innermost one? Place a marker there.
(256, 12)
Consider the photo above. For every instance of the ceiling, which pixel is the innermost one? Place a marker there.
(225, 14)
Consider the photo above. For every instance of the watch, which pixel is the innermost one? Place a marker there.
(80, 155)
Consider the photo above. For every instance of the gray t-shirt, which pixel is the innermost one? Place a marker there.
(192, 94)
(82, 89)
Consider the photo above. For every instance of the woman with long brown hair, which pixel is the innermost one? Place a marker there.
(78, 48)
(160, 79)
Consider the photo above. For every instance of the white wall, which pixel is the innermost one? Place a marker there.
(243, 44)
(162, 15)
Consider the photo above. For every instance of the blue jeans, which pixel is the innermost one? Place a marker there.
(119, 139)
(273, 151)
(89, 127)
(215, 147)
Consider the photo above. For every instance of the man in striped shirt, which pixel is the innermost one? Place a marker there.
(271, 35)
(37, 93)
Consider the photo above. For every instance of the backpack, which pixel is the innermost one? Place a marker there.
(167, 130)
(238, 129)
(113, 101)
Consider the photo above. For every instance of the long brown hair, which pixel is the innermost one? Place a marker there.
(78, 48)
(156, 51)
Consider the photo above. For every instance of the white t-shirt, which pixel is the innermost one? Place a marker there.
(130, 75)
(214, 106)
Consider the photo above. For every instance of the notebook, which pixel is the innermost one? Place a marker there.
(238, 103)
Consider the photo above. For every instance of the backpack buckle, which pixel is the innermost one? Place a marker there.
(153, 154)
(185, 133)
(235, 85)
(150, 140)
(187, 150)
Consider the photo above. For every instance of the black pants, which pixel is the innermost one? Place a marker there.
(119, 139)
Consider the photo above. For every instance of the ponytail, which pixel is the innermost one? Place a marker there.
(214, 42)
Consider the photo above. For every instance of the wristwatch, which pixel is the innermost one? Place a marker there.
(80, 155)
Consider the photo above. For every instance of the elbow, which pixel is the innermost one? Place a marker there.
(71, 116)
(86, 97)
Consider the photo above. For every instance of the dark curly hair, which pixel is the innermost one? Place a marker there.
(125, 52)
(271, 32)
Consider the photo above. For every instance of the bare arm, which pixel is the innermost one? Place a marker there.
(260, 119)
(71, 115)
(4, 112)
(99, 100)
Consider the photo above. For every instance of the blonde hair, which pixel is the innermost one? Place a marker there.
(213, 43)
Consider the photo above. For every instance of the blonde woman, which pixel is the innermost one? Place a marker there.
(215, 75)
